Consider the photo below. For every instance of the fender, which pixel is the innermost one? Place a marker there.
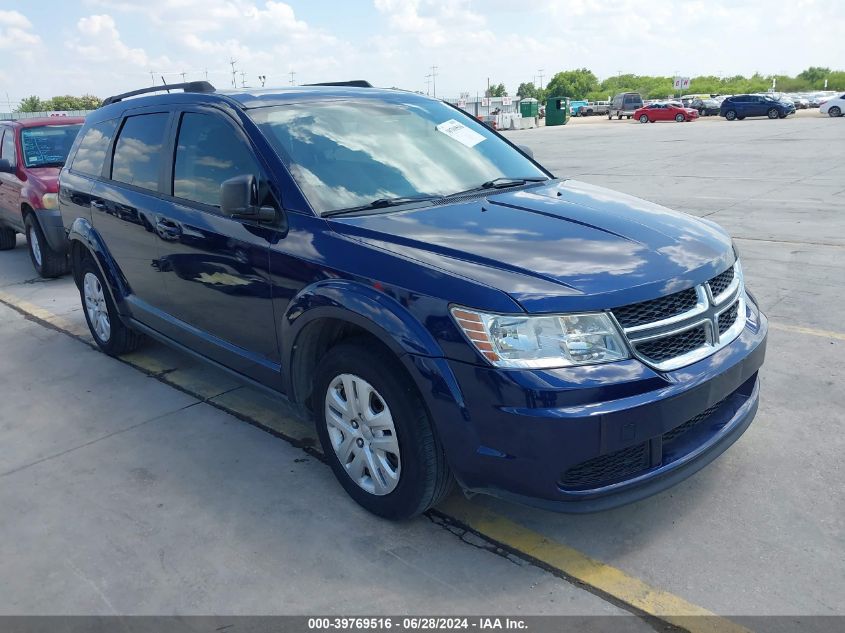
(359, 304)
(387, 320)
(83, 232)
(362, 305)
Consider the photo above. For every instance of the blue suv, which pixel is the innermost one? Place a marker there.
(440, 305)
(741, 106)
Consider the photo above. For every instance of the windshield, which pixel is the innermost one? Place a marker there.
(349, 153)
(47, 145)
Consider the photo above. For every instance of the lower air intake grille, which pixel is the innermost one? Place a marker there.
(607, 468)
(628, 462)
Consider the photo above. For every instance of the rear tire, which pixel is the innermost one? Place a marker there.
(730, 115)
(109, 332)
(643, 118)
(411, 473)
(8, 239)
(834, 112)
(47, 262)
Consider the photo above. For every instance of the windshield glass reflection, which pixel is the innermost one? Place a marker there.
(350, 153)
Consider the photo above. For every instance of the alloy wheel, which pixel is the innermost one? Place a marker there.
(362, 434)
(95, 306)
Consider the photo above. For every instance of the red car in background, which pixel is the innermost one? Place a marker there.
(665, 112)
(32, 153)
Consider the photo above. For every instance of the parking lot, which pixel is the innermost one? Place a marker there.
(158, 485)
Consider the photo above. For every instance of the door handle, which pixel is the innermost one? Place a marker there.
(168, 229)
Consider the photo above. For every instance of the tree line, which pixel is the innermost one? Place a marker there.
(583, 84)
(61, 103)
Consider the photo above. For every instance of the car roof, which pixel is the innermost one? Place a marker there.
(255, 98)
(45, 120)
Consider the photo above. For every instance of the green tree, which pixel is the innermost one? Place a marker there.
(497, 91)
(31, 104)
(575, 84)
(814, 76)
(89, 102)
(528, 90)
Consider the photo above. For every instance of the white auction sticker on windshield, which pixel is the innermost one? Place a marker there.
(460, 132)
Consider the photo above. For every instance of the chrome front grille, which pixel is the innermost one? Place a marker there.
(686, 326)
(649, 311)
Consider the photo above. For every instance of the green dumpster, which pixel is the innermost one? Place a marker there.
(529, 108)
(557, 110)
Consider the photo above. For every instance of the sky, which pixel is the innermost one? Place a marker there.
(101, 47)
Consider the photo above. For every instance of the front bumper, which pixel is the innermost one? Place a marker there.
(591, 438)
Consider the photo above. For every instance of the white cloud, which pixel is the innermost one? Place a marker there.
(113, 44)
(16, 31)
(101, 42)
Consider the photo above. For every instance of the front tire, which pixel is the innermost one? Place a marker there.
(834, 112)
(680, 118)
(109, 332)
(376, 433)
(773, 113)
(8, 239)
(47, 262)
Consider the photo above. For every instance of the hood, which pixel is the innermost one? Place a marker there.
(44, 179)
(561, 246)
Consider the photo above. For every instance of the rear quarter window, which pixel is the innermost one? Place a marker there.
(94, 144)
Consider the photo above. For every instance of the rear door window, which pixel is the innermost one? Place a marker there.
(138, 152)
(91, 155)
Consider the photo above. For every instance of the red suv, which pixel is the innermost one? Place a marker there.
(32, 152)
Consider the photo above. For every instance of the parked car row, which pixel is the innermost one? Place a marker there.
(448, 312)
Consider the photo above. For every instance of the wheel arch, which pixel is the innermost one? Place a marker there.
(328, 312)
(84, 241)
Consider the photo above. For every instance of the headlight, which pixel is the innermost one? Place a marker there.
(50, 201)
(542, 342)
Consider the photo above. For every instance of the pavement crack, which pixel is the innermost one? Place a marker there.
(96, 440)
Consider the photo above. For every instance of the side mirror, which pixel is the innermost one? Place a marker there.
(6, 166)
(239, 200)
(526, 150)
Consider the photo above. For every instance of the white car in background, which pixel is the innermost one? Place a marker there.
(834, 106)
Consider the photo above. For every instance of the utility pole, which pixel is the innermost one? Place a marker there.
(540, 72)
(153, 77)
(428, 85)
(234, 77)
(206, 74)
(243, 79)
(292, 75)
(434, 81)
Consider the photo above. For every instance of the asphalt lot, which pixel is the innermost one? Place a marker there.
(139, 487)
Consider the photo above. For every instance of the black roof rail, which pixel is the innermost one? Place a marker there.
(354, 83)
(190, 86)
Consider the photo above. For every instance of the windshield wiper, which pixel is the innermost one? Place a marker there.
(503, 182)
(380, 203)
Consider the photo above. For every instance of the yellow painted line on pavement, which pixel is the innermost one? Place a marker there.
(603, 579)
(38, 312)
(800, 329)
